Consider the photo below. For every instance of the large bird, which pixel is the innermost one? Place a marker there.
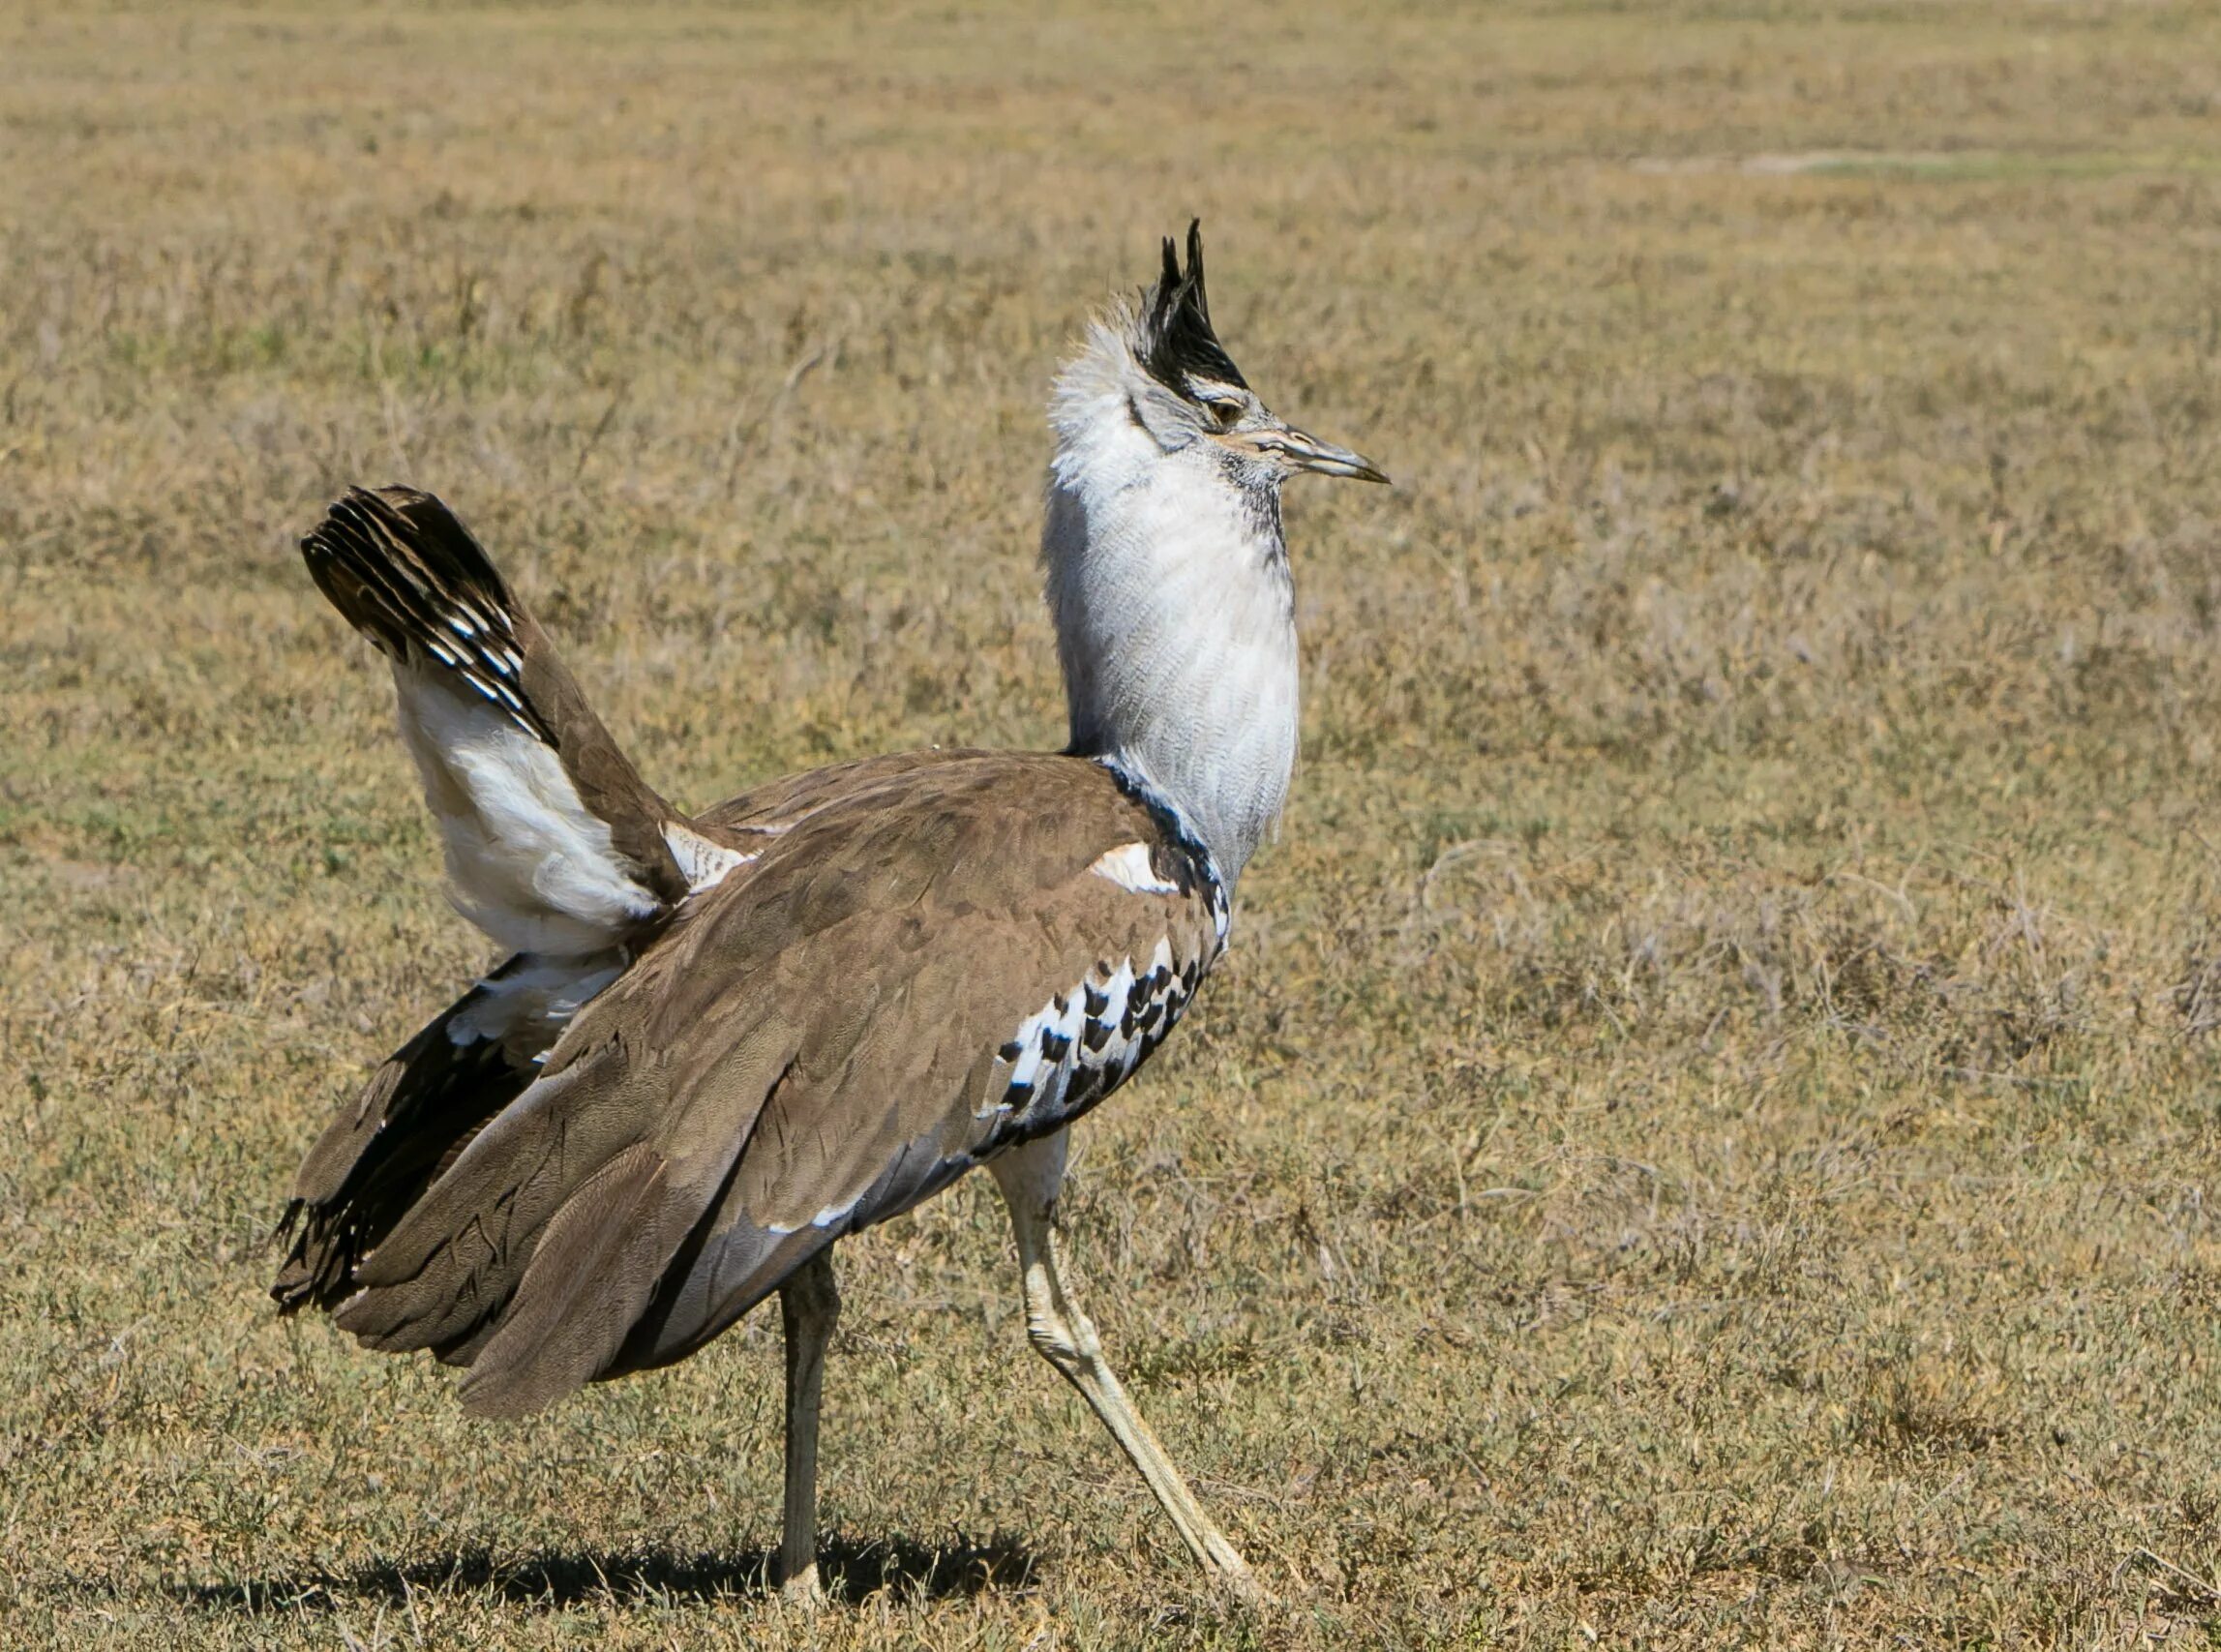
(726, 1040)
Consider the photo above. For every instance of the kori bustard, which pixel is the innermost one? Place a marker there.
(725, 1041)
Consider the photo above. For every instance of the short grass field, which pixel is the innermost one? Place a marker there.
(1710, 1133)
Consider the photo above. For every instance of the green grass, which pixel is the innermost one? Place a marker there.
(1708, 1135)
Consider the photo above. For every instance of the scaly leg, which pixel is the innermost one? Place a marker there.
(1029, 1177)
(808, 1305)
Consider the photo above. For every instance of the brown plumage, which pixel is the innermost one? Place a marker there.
(723, 1042)
(380, 1154)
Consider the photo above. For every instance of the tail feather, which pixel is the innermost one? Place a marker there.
(451, 1201)
(411, 577)
(553, 842)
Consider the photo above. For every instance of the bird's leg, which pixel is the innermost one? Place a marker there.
(808, 1305)
(1029, 1177)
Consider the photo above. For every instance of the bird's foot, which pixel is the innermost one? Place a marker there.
(1229, 1573)
(1238, 1582)
(803, 1589)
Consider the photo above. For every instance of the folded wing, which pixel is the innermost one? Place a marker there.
(915, 974)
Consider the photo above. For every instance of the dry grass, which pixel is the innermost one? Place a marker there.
(1708, 1135)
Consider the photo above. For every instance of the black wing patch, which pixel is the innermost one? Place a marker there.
(376, 1159)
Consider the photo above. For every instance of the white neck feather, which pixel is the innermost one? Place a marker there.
(1174, 612)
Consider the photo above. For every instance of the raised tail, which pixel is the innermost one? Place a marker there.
(555, 844)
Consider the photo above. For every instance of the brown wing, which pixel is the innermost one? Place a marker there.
(379, 1155)
(420, 1109)
(775, 807)
(952, 958)
(427, 1099)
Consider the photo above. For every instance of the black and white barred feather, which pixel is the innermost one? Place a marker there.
(409, 577)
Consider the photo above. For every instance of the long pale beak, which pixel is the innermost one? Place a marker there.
(1306, 452)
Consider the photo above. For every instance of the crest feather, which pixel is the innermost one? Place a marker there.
(1176, 341)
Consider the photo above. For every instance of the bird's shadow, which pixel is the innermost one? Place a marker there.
(849, 1570)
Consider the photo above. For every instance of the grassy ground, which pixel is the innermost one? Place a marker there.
(1708, 1135)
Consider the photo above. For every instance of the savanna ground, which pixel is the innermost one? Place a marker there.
(1708, 1133)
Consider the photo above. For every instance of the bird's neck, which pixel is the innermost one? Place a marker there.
(1176, 625)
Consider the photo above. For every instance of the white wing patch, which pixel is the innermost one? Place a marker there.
(526, 861)
(830, 1216)
(702, 863)
(1128, 867)
(525, 1009)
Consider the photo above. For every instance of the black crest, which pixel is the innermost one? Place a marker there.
(1175, 336)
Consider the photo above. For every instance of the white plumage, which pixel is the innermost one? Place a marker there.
(1175, 616)
(526, 860)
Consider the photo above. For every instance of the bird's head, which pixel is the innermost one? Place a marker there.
(1167, 563)
(1181, 387)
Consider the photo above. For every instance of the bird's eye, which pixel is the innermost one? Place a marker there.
(1228, 414)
